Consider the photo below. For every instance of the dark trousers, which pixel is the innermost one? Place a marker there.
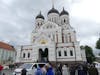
(72, 73)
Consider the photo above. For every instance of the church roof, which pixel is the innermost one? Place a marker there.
(40, 16)
(64, 12)
(6, 46)
(53, 10)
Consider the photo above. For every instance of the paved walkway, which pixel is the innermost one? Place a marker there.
(8, 72)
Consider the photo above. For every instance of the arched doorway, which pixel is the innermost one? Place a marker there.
(43, 55)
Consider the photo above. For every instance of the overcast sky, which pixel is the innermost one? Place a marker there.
(17, 19)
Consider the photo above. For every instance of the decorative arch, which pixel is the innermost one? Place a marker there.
(24, 55)
(43, 55)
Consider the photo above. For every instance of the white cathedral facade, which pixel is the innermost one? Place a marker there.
(52, 40)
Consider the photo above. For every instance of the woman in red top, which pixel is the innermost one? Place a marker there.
(1, 68)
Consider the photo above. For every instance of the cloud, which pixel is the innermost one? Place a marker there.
(87, 30)
(17, 18)
(87, 9)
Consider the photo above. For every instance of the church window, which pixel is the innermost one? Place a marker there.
(57, 37)
(28, 55)
(59, 53)
(38, 24)
(65, 53)
(55, 19)
(23, 55)
(71, 53)
(62, 38)
(69, 37)
(64, 20)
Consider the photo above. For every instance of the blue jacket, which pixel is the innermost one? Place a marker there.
(38, 72)
(50, 71)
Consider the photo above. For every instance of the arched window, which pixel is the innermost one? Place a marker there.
(64, 20)
(38, 24)
(28, 55)
(65, 53)
(69, 37)
(23, 55)
(59, 53)
(71, 53)
(62, 38)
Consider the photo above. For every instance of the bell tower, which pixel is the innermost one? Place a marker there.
(39, 20)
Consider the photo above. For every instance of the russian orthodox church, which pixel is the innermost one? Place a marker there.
(52, 40)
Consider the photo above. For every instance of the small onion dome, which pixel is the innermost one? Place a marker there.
(53, 10)
(40, 16)
(64, 12)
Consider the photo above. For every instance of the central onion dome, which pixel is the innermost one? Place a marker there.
(64, 12)
(40, 16)
(53, 10)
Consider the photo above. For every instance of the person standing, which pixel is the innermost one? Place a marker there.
(24, 71)
(59, 69)
(43, 71)
(80, 70)
(72, 69)
(93, 70)
(65, 70)
(1, 68)
(39, 71)
(49, 69)
(58, 72)
(85, 69)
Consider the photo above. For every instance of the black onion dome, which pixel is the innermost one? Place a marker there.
(53, 10)
(64, 12)
(40, 16)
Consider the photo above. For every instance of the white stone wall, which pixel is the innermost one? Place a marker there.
(83, 54)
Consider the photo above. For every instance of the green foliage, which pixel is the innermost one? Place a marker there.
(89, 53)
(98, 44)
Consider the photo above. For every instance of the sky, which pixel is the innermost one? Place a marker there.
(17, 19)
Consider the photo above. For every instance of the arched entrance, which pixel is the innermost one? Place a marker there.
(43, 55)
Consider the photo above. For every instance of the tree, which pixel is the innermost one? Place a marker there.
(98, 44)
(89, 54)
